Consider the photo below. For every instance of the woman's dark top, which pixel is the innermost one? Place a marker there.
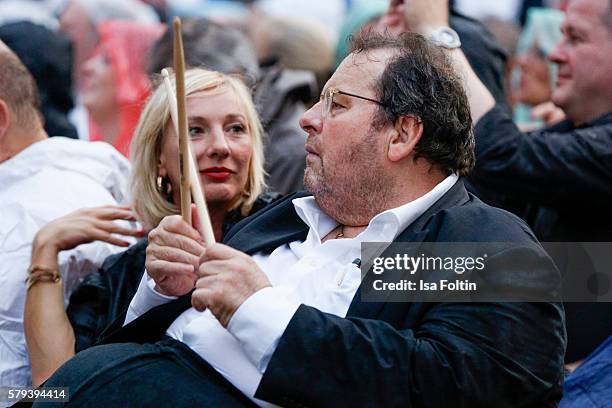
(105, 295)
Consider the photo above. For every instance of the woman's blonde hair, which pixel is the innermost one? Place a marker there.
(149, 203)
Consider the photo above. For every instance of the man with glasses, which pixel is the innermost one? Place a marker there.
(278, 314)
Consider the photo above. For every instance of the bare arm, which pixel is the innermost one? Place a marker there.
(49, 335)
(479, 97)
(424, 17)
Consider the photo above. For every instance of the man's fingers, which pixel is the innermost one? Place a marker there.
(175, 224)
(175, 255)
(195, 218)
(184, 243)
(548, 112)
(170, 268)
(162, 237)
(205, 282)
(213, 267)
(200, 299)
(542, 109)
(219, 251)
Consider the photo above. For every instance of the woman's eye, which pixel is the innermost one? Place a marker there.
(195, 131)
(237, 128)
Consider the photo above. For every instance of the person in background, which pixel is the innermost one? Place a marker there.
(297, 44)
(591, 382)
(328, 13)
(115, 83)
(226, 141)
(535, 74)
(31, 31)
(208, 45)
(507, 34)
(363, 15)
(160, 7)
(280, 94)
(79, 20)
(482, 50)
(42, 178)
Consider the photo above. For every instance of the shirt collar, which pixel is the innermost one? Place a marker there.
(385, 226)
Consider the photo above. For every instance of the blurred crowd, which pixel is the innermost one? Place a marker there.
(97, 68)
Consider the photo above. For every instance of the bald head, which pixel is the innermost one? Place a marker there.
(4, 48)
(18, 91)
(21, 123)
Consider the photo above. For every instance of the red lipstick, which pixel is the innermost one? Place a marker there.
(218, 174)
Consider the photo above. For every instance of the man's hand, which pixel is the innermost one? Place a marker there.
(420, 16)
(173, 256)
(227, 278)
(548, 112)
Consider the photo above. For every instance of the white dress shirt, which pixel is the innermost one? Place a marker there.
(312, 273)
(45, 181)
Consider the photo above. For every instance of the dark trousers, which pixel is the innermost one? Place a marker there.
(166, 373)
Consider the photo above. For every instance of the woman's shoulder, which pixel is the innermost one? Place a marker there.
(265, 199)
(235, 216)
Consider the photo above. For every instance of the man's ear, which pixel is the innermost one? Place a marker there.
(407, 133)
(5, 119)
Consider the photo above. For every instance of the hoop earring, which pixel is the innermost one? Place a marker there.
(164, 187)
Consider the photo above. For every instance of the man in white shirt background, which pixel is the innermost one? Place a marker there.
(41, 179)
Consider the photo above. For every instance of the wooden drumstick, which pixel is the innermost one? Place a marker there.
(205, 228)
(179, 72)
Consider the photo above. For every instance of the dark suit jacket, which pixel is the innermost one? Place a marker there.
(559, 180)
(565, 171)
(408, 354)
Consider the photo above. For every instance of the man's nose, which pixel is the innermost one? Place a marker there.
(312, 120)
(557, 55)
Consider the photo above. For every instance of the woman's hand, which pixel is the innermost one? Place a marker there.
(48, 332)
(173, 256)
(84, 226)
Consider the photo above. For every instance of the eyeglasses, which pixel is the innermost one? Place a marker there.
(328, 99)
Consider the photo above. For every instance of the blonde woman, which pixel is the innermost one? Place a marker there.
(227, 144)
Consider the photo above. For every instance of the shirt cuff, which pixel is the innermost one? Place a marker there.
(260, 321)
(145, 299)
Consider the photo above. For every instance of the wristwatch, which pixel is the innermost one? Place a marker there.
(445, 37)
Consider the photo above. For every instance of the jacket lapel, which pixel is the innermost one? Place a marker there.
(415, 232)
(272, 227)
